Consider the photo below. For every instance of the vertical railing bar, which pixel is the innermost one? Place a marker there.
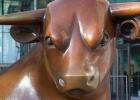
(117, 83)
(126, 88)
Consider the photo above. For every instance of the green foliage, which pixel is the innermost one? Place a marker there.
(43, 3)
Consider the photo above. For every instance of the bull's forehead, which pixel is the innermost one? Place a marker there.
(89, 14)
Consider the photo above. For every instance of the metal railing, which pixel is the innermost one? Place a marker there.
(119, 87)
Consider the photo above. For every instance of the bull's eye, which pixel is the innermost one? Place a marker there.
(49, 42)
(104, 39)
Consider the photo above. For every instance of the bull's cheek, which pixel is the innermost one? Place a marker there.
(55, 73)
(106, 62)
(54, 64)
(103, 70)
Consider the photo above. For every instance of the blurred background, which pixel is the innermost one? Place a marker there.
(124, 75)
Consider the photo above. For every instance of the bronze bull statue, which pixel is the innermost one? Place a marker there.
(74, 52)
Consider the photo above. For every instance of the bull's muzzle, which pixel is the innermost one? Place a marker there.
(79, 82)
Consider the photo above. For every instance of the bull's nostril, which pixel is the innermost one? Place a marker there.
(92, 78)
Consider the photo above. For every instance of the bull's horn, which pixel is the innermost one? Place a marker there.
(23, 18)
(129, 9)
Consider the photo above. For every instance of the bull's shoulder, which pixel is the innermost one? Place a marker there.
(12, 81)
(18, 79)
(31, 85)
(19, 83)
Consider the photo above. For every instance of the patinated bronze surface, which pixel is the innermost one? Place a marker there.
(74, 52)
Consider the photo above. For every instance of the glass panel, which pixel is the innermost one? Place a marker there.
(0, 47)
(135, 70)
(1, 29)
(119, 89)
(10, 53)
(6, 28)
(0, 33)
(0, 7)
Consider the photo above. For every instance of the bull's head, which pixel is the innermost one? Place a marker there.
(79, 39)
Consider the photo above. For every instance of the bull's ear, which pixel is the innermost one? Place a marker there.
(130, 29)
(25, 34)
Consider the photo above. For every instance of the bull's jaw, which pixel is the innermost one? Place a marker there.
(98, 93)
(86, 88)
